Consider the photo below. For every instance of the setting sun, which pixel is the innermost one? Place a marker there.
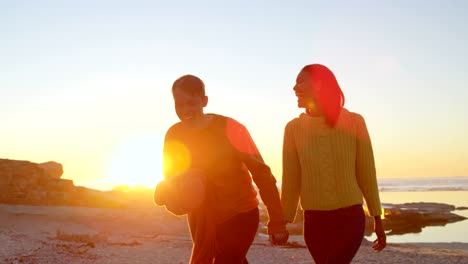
(137, 161)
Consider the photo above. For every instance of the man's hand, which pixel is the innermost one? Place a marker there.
(278, 239)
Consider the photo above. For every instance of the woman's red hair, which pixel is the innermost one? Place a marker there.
(329, 96)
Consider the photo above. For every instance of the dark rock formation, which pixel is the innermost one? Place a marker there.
(52, 168)
(398, 218)
(24, 182)
(413, 217)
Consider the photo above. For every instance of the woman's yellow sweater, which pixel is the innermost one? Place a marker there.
(328, 168)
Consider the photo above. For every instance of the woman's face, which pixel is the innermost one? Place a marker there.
(304, 91)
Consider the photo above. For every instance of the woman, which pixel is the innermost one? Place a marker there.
(328, 163)
(220, 150)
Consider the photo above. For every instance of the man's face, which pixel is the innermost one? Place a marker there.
(188, 106)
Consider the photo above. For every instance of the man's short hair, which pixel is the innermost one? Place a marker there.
(190, 84)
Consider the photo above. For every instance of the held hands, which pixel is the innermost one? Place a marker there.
(381, 240)
(278, 239)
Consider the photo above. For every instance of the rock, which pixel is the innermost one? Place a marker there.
(17, 179)
(52, 168)
(20, 172)
(24, 182)
(412, 217)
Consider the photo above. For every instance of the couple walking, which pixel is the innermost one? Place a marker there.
(328, 165)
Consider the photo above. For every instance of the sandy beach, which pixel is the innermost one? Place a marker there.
(47, 234)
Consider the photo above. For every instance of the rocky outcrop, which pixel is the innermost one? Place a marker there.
(398, 218)
(413, 217)
(25, 182)
(52, 168)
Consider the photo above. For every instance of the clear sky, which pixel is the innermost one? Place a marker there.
(87, 83)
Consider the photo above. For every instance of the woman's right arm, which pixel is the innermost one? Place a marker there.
(365, 168)
(291, 181)
(367, 180)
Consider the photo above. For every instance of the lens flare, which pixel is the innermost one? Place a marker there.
(240, 138)
(177, 158)
(311, 106)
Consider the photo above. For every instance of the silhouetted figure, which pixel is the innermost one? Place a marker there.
(219, 151)
(328, 164)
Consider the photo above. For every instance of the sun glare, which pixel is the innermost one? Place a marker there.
(181, 162)
(137, 161)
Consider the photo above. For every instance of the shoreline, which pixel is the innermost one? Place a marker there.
(41, 234)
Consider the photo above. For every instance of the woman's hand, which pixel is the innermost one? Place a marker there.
(381, 240)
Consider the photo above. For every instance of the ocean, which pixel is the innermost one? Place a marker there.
(448, 190)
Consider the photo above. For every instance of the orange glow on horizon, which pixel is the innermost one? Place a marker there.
(137, 161)
(135, 188)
